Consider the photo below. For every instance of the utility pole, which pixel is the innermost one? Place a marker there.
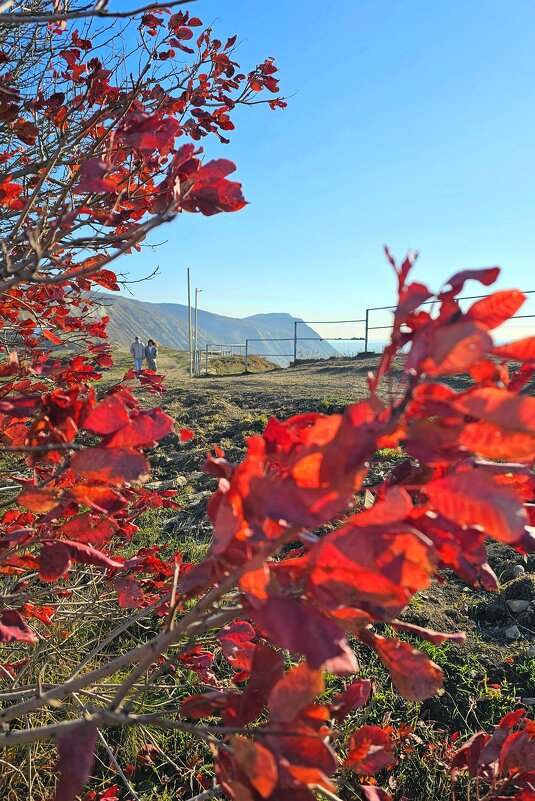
(189, 328)
(196, 328)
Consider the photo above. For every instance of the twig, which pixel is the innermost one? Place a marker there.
(326, 793)
(117, 767)
(206, 794)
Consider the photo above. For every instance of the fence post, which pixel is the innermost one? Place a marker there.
(296, 322)
(246, 354)
(366, 332)
(206, 359)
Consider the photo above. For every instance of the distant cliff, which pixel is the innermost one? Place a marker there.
(167, 323)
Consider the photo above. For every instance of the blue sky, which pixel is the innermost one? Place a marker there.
(412, 124)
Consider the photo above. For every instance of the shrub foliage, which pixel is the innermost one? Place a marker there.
(308, 555)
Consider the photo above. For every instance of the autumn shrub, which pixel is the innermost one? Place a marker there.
(308, 555)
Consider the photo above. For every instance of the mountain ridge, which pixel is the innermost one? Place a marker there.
(167, 323)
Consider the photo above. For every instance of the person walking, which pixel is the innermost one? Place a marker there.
(151, 354)
(137, 351)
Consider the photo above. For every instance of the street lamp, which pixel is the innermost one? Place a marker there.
(196, 329)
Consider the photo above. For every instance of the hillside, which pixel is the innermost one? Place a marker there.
(167, 323)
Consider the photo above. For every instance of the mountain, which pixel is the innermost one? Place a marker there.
(167, 323)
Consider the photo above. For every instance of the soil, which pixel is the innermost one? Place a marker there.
(225, 410)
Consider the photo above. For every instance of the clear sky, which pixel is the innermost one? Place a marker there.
(412, 124)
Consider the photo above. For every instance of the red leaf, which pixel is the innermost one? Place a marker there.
(80, 552)
(54, 561)
(143, 430)
(114, 465)
(511, 719)
(211, 196)
(236, 643)
(523, 350)
(26, 131)
(43, 613)
(151, 20)
(468, 755)
(94, 177)
(494, 442)
(496, 309)
(518, 753)
(295, 691)
(37, 500)
(355, 696)
(436, 637)
(20, 407)
(257, 763)
(411, 296)
(393, 508)
(184, 47)
(107, 279)
(204, 705)
(185, 434)
(455, 348)
(475, 499)
(9, 194)
(370, 750)
(266, 670)
(130, 593)
(108, 416)
(13, 628)
(304, 750)
(214, 170)
(76, 754)
(255, 583)
(412, 672)
(499, 407)
(353, 567)
(147, 132)
(300, 629)
(485, 276)
(103, 499)
(51, 336)
(183, 33)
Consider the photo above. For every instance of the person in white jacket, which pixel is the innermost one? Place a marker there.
(137, 350)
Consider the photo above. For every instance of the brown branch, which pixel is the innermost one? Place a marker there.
(193, 623)
(141, 233)
(22, 18)
(99, 717)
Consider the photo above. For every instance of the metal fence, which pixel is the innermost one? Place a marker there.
(388, 327)
(247, 349)
(216, 350)
(298, 339)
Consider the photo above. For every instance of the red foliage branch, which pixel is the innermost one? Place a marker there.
(301, 565)
(91, 162)
(434, 511)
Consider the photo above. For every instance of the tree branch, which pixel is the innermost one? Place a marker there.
(98, 10)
